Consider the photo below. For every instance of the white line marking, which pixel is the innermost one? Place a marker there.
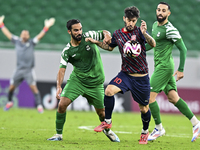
(124, 132)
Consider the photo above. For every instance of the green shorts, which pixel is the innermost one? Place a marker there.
(94, 95)
(162, 80)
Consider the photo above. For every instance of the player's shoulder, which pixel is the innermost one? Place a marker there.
(117, 31)
(66, 48)
(169, 27)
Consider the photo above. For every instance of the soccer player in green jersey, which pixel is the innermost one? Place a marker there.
(162, 79)
(87, 77)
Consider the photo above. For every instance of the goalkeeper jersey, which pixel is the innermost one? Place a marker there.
(165, 37)
(86, 60)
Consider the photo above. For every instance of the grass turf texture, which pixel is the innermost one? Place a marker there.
(27, 129)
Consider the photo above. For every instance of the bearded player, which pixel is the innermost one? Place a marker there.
(87, 77)
(162, 79)
(133, 76)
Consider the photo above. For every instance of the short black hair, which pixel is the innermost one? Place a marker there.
(131, 12)
(72, 22)
(164, 3)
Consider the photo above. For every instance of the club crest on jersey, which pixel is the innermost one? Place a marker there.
(87, 47)
(133, 37)
(158, 34)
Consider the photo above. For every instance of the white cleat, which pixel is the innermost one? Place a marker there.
(196, 132)
(155, 134)
(56, 137)
(111, 135)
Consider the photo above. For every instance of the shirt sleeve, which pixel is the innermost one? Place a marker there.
(183, 51)
(64, 58)
(14, 38)
(96, 35)
(35, 40)
(172, 33)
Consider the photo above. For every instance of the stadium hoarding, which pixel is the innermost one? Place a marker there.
(189, 95)
(23, 97)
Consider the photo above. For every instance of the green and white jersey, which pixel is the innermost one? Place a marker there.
(165, 37)
(86, 60)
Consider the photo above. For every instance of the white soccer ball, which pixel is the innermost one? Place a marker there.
(132, 49)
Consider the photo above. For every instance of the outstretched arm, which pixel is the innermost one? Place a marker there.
(5, 30)
(100, 44)
(47, 24)
(60, 77)
(150, 40)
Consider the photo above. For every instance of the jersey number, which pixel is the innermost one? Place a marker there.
(118, 80)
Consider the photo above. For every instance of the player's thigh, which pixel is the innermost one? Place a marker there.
(95, 96)
(72, 89)
(171, 85)
(140, 89)
(30, 77)
(17, 78)
(160, 79)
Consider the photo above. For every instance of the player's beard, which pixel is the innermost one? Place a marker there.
(77, 38)
(161, 19)
(128, 28)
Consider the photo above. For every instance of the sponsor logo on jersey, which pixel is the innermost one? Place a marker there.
(87, 47)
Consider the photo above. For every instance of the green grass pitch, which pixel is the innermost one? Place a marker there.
(28, 130)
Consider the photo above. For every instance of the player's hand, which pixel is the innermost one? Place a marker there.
(58, 92)
(1, 19)
(179, 75)
(90, 40)
(49, 22)
(143, 27)
(107, 39)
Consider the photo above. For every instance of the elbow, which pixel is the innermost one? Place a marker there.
(154, 45)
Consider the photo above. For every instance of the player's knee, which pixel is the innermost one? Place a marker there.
(62, 108)
(144, 109)
(109, 92)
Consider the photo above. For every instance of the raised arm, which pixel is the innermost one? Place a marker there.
(47, 24)
(60, 78)
(5, 30)
(150, 40)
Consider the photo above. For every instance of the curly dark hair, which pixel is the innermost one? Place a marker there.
(131, 12)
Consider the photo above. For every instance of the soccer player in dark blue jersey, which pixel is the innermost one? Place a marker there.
(134, 71)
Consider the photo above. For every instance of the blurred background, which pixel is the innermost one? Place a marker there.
(94, 15)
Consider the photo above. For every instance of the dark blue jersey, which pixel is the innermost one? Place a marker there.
(131, 65)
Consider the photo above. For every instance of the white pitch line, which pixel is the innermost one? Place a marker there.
(124, 132)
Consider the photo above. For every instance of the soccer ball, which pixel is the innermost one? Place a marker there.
(132, 49)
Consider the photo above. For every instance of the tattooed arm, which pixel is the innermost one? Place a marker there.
(150, 40)
(100, 44)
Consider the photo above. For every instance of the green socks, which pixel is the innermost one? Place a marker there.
(155, 112)
(60, 120)
(184, 109)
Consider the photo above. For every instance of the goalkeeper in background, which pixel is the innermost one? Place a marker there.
(87, 77)
(24, 47)
(162, 79)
